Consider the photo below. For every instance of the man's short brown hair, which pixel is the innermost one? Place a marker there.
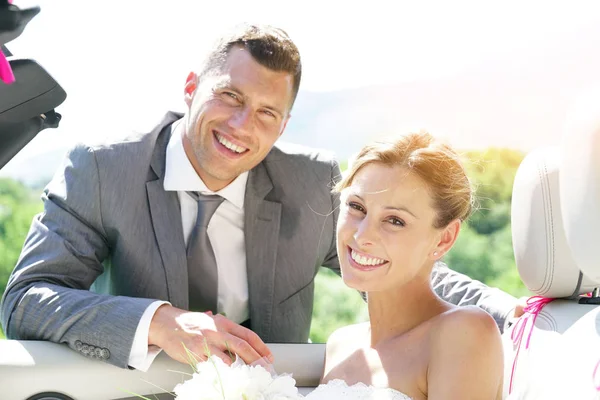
(271, 47)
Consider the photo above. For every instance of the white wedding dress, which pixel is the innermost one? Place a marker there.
(337, 389)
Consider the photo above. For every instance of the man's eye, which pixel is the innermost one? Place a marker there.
(396, 221)
(356, 207)
(268, 113)
(231, 97)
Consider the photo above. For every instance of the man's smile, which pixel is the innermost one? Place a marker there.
(226, 145)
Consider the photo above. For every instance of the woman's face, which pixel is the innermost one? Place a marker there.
(385, 232)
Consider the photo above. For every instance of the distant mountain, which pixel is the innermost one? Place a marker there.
(519, 100)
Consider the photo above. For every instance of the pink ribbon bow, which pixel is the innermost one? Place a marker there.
(6, 74)
(530, 312)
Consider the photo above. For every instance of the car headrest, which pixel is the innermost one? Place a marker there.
(580, 182)
(542, 253)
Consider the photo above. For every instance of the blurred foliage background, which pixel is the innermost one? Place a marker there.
(483, 250)
(18, 205)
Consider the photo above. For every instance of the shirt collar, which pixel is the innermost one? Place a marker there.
(181, 176)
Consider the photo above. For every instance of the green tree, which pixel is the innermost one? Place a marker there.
(492, 172)
(18, 205)
(484, 248)
(471, 255)
(335, 305)
(487, 258)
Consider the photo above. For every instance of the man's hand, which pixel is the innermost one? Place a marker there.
(175, 330)
(517, 313)
(519, 308)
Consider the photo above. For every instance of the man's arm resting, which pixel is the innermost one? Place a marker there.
(47, 296)
(142, 354)
(98, 326)
(459, 289)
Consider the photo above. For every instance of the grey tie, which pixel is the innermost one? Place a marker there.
(202, 266)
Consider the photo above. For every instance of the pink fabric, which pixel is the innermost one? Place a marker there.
(530, 312)
(594, 379)
(6, 74)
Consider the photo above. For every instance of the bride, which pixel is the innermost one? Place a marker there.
(402, 206)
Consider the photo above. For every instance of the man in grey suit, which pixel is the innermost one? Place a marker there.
(197, 231)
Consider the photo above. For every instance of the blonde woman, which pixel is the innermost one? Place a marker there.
(402, 206)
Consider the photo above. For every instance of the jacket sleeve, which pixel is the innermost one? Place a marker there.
(47, 295)
(331, 260)
(459, 289)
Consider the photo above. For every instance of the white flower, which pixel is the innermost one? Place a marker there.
(216, 380)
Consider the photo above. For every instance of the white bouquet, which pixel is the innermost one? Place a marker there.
(214, 379)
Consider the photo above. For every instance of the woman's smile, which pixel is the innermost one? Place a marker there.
(364, 261)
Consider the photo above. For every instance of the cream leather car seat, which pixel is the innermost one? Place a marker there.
(556, 240)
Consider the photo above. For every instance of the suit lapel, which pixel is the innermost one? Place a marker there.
(166, 221)
(261, 230)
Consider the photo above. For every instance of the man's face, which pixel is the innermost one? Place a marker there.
(234, 117)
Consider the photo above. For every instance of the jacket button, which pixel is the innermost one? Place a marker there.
(78, 345)
(98, 352)
(85, 349)
(105, 354)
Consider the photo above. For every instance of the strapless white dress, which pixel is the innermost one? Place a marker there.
(337, 389)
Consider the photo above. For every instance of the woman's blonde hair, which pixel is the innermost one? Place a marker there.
(436, 163)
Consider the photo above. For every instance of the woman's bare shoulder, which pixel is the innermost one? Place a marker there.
(465, 321)
(466, 354)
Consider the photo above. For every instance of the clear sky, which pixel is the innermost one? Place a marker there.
(131, 57)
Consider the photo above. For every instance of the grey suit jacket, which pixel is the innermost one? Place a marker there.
(109, 226)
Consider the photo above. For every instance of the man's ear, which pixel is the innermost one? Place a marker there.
(190, 88)
(447, 239)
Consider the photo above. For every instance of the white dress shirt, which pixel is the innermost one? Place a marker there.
(226, 234)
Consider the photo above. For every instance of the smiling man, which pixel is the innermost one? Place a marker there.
(201, 234)
(236, 113)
